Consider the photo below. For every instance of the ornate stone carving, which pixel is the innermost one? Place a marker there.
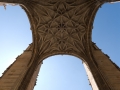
(61, 26)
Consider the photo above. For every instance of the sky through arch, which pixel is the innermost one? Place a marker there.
(62, 72)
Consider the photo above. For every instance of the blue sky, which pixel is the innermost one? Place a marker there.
(58, 72)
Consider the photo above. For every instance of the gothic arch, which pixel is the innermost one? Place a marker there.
(41, 59)
(48, 45)
(63, 38)
(64, 27)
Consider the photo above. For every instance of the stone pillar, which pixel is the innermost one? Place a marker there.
(90, 77)
(109, 70)
(33, 80)
(12, 77)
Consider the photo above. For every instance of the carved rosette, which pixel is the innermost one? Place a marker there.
(61, 25)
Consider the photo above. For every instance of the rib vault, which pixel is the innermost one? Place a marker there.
(60, 27)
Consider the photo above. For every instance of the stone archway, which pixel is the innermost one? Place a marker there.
(63, 27)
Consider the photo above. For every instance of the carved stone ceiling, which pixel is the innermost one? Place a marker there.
(61, 26)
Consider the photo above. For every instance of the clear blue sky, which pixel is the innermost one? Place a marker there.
(58, 72)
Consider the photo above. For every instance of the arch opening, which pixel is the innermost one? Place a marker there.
(106, 30)
(15, 34)
(60, 72)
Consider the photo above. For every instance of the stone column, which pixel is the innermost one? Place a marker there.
(33, 80)
(90, 77)
(109, 70)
